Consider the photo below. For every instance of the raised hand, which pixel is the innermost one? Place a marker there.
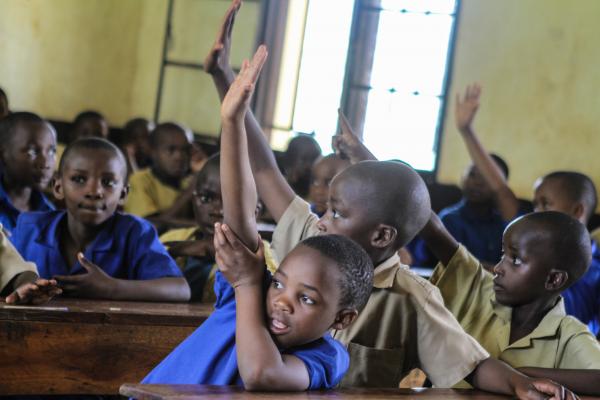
(38, 292)
(191, 248)
(93, 284)
(217, 60)
(238, 96)
(237, 263)
(466, 107)
(348, 145)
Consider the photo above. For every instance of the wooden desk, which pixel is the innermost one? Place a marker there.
(192, 392)
(73, 346)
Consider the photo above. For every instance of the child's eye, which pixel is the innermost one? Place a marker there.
(52, 152)
(78, 179)
(109, 182)
(276, 284)
(516, 260)
(335, 214)
(307, 300)
(31, 152)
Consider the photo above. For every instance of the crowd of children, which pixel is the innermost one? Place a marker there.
(328, 301)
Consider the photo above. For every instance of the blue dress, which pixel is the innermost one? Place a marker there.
(208, 355)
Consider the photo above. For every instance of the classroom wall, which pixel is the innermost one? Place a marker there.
(60, 57)
(539, 65)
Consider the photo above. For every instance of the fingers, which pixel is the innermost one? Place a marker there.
(232, 239)
(257, 62)
(549, 388)
(62, 279)
(85, 263)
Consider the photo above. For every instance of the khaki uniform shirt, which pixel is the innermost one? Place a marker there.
(403, 326)
(148, 195)
(11, 262)
(559, 341)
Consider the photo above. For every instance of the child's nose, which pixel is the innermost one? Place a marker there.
(95, 188)
(283, 304)
(321, 225)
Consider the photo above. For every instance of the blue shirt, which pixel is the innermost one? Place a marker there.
(208, 355)
(127, 247)
(8, 212)
(582, 299)
(480, 234)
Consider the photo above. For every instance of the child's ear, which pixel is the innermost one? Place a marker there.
(384, 236)
(124, 194)
(579, 211)
(344, 318)
(57, 188)
(557, 279)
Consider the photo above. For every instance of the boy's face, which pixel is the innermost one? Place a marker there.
(549, 195)
(521, 274)
(30, 155)
(92, 127)
(322, 173)
(475, 188)
(207, 201)
(92, 185)
(347, 214)
(171, 155)
(303, 299)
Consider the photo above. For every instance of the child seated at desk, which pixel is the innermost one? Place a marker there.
(91, 249)
(27, 155)
(570, 192)
(278, 343)
(193, 248)
(517, 314)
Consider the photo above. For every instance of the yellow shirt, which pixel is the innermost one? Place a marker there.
(208, 294)
(559, 341)
(11, 262)
(148, 195)
(403, 326)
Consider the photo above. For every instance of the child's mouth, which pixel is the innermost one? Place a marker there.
(277, 327)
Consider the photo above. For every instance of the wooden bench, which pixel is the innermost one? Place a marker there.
(74, 346)
(193, 392)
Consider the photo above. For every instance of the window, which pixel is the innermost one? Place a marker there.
(406, 90)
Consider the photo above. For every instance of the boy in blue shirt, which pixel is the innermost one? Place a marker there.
(89, 248)
(27, 154)
(320, 285)
(572, 193)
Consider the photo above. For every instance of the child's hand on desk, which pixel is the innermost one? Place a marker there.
(237, 263)
(191, 248)
(38, 292)
(95, 283)
(542, 389)
(217, 60)
(466, 108)
(348, 145)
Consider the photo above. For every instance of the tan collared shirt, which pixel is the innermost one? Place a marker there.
(559, 341)
(11, 262)
(403, 326)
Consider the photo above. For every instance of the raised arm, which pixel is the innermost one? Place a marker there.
(272, 187)
(237, 183)
(347, 144)
(438, 239)
(466, 108)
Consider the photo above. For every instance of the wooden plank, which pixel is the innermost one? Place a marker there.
(193, 392)
(86, 347)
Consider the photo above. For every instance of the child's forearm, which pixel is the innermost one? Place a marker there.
(495, 376)
(506, 199)
(162, 289)
(260, 363)
(438, 239)
(237, 183)
(21, 279)
(585, 382)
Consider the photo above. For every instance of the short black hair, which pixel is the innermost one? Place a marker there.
(392, 193)
(93, 143)
(354, 264)
(578, 187)
(3, 94)
(163, 129)
(129, 130)
(211, 165)
(9, 123)
(567, 240)
(501, 164)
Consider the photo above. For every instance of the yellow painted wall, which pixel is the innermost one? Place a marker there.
(539, 64)
(59, 57)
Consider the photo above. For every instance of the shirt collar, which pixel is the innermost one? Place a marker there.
(385, 273)
(548, 326)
